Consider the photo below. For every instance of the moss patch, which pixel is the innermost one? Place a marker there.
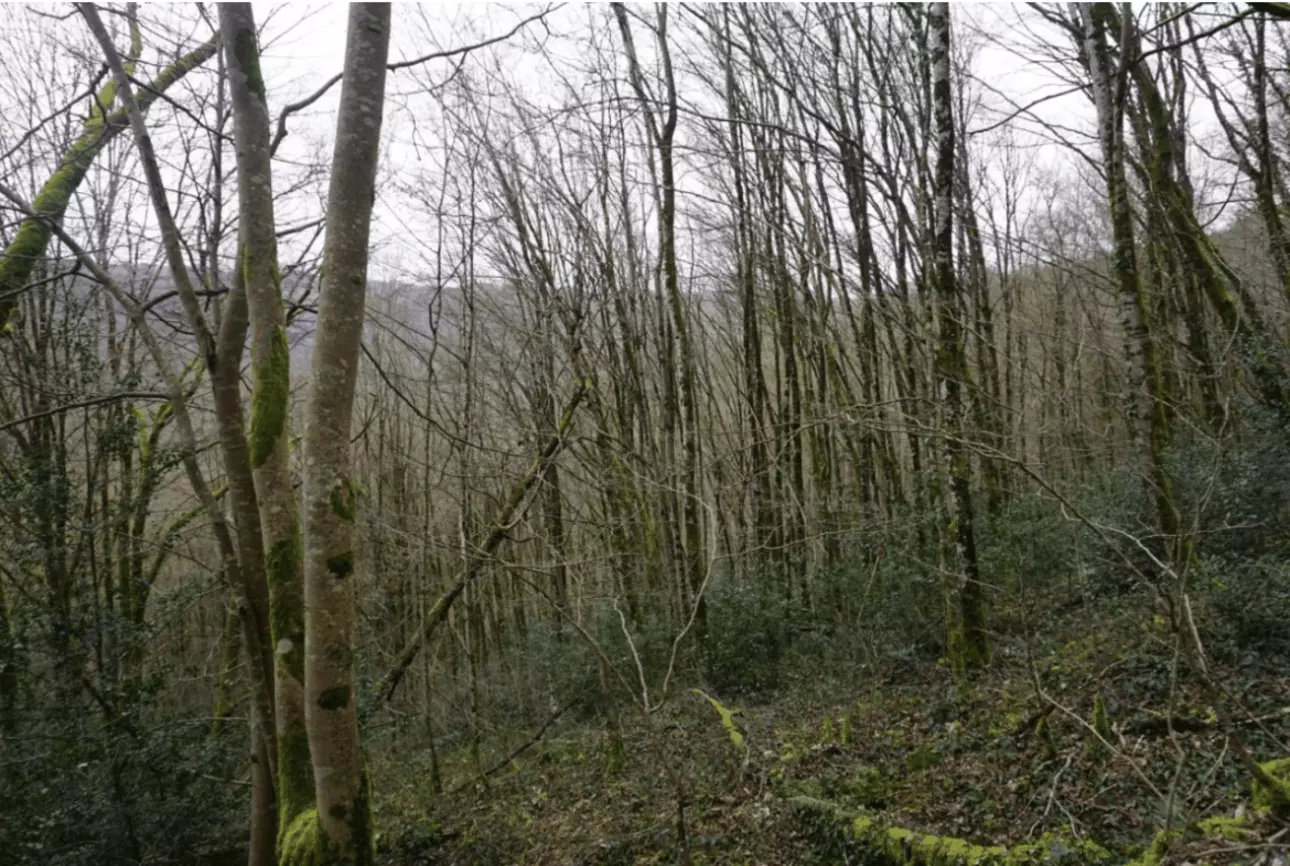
(1272, 794)
(1101, 728)
(1231, 829)
(305, 843)
(1159, 847)
(248, 57)
(727, 719)
(301, 844)
(898, 846)
(271, 399)
(33, 235)
(1047, 741)
(295, 781)
(286, 608)
(344, 499)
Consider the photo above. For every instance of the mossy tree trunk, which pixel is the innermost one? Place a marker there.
(270, 406)
(968, 645)
(1149, 414)
(34, 234)
(1258, 352)
(230, 552)
(341, 787)
(221, 353)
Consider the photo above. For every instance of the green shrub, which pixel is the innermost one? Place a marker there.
(747, 636)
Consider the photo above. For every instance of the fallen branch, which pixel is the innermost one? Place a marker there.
(521, 750)
(507, 517)
(897, 846)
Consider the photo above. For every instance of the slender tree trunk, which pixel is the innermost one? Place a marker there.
(340, 779)
(968, 646)
(270, 406)
(1148, 412)
(689, 507)
(223, 360)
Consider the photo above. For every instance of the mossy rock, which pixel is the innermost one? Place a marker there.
(879, 843)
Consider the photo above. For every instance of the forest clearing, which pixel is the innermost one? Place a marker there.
(612, 434)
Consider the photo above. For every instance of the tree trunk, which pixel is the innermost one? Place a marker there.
(270, 406)
(33, 235)
(340, 780)
(968, 646)
(1148, 412)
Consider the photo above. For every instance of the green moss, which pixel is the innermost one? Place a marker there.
(295, 781)
(614, 754)
(33, 235)
(727, 719)
(1159, 847)
(335, 698)
(286, 602)
(956, 649)
(344, 499)
(305, 844)
(826, 730)
(1231, 829)
(897, 846)
(845, 737)
(248, 57)
(341, 565)
(1272, 792)
(1047, 742)
(1101, 727)
(864, 787)
(301, 844)
(922, 758)
(271, 399)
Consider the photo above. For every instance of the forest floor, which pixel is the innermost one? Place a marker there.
(903, 743)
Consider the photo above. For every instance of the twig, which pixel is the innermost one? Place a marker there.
(521, 750)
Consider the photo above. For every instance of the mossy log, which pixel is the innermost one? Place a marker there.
(1270, 789)
(897, 846)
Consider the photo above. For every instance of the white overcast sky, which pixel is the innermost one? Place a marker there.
(304, 46)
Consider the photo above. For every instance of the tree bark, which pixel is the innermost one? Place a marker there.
(340, 780)
(1147, 411)
(223, 360)
(270, 406)
(967, 642)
